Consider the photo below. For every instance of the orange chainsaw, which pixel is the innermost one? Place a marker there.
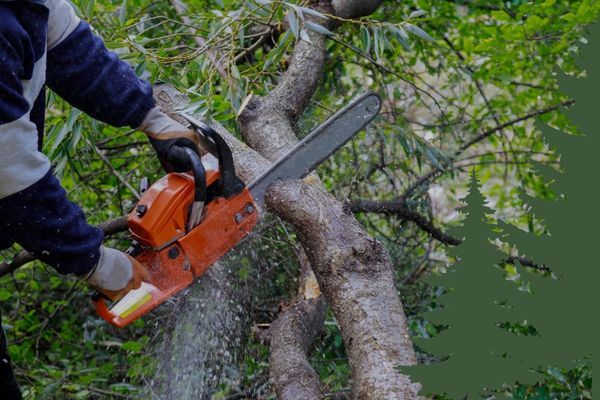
(185, 222)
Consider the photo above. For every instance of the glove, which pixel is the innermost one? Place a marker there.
(116, 274)
(169, 139)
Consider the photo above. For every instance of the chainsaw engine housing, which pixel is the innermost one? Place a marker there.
(174, 257)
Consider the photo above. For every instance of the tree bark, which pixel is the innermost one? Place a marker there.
(353, 270)
(355, 8)
(292, 335)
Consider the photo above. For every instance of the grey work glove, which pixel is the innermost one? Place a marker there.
(169, 139)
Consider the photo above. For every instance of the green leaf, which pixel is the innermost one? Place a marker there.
(297, 10)
(89, 8)
(123, 12)
(304, 36)
(312, 12)
(365, 36)
(401, 36)
(416, 14)
(132, 346)
(318, 28)
(415, 30)
(294, 25)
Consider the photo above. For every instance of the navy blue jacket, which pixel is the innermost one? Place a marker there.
(45, 43)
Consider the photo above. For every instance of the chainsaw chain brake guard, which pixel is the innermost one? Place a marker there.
(182, 224)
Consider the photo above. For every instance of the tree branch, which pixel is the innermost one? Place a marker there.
(292, 335)
(515, 121)
(402, 210)
(350, 9)
(353, 270)
(398, 208)
(427, 178)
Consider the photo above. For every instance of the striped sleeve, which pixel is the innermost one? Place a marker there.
(62, 21)
(88, 76)
(13, 50)
(21, 164)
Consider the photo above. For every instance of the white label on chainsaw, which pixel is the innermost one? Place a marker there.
(133, 300)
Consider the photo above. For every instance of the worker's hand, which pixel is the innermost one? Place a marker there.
(116, 274)
(169, 139)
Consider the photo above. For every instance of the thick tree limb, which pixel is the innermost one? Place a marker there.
(355, 8)
(292, 335)
(355, 274)
(353, 270)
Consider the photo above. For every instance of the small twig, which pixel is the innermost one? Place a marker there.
(527, 263)
(216, 60)
(252, 47)
(113, 170)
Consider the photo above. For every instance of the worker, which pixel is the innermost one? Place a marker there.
(44, 43)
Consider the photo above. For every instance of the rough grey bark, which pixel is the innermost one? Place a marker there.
(355, 8)
(353, 270)
(292, 335)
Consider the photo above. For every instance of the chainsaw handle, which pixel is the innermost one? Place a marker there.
(230, 184)
(200, 189)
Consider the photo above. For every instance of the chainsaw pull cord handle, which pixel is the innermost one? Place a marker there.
(200, 189)
(230, 184)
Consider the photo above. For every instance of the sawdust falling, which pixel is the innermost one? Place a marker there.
(203, 332)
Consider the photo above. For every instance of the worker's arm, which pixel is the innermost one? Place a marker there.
(42, 220)
(34, 209)
(93, 79)
(83, 72)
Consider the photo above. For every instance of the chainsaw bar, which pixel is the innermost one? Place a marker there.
(319, 145)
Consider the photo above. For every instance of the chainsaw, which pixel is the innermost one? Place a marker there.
(185, 222)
